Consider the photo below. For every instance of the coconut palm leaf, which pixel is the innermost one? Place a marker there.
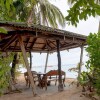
(47, 14)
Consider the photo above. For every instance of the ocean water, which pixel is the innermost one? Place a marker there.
(65, 68)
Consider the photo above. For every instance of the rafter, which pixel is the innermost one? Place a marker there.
(52, 43)
(49, 46)
(45, 44)
(11, 40)
(51, 37)
(33, 42)
(27, 41)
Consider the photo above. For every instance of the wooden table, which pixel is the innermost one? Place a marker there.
(42, 80)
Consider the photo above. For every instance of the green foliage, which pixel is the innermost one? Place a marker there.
(81, 10)
(6, 9)
(83, 79)
(93, 64)
(5, 62)
(2, 30)
(32, 11)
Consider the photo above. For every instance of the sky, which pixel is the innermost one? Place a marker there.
(73, 55)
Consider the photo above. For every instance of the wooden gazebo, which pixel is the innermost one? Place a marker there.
(38, 38)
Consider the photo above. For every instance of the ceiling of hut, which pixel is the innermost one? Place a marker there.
(37, 38)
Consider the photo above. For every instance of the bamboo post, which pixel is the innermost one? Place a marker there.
(60, 86)
(81, 58)
(46, 62)
(26, 63)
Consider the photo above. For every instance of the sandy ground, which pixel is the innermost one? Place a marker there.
(70, 92)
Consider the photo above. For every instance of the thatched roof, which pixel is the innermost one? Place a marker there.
(38, 38)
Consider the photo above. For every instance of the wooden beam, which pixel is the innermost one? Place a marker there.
(52, 43)
(11, 40)
(43, 47)
(60, 86)
(45, 44)
(26, 63)
(15, 45)
(3, 41)
(80, 63)
(30, 60)
(46, 62)
(27, 41)
(48, 45)
(51, 36)
(34, 40)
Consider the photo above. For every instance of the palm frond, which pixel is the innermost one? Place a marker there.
(48, 14)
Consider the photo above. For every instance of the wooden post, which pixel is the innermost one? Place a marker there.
(46, 62)
(81, 58)
(60, 86)
(26, 62)
(30, 60)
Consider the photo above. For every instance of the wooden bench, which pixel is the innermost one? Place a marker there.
(54, 76)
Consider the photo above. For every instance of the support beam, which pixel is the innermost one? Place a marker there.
(44, 46)
(27, 41)
(12, 39)
(26, 62)
(60, 86)
(30, 60)
(15, 45)
(52, 43)
(46, 62)
(48, 45)
(80, 64)
(33, 42)
(51, 37)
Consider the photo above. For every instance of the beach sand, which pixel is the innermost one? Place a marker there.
(71, 92)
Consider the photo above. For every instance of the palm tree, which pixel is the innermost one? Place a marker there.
(45, 13)
(35, 12)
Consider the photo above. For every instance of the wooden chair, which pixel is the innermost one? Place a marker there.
(43, 82)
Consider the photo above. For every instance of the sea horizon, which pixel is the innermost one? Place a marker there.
(64, 68)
